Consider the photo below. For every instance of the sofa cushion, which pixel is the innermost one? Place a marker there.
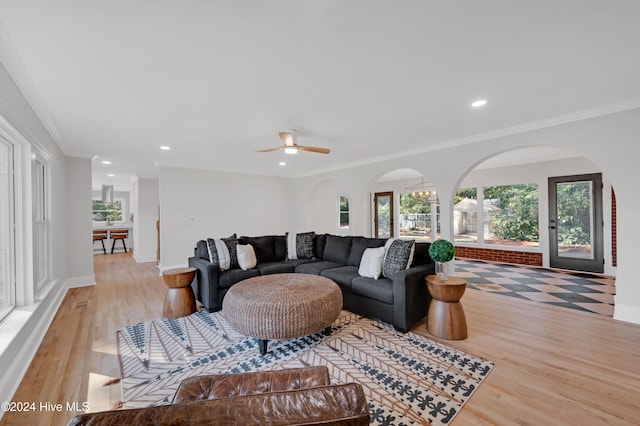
(263, 247)
(246, 256)
(421, 254)
(232, 276)
(398, 257)
(319, 241)
(341, 276)
(202, 250)
(359, 245)
(315, 268)
(371, 263)
(337, 249)
(280, 247)
(275, 268)
(381, 289)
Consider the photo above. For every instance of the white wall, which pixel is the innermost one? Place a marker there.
(79, 270)
(609, 141)
(145, 200)
(200, 204)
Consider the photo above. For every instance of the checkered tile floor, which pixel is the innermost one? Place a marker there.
(583, 291)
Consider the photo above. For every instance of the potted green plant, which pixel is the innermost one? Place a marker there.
(441, 251)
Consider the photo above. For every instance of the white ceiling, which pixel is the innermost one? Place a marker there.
(368, 79)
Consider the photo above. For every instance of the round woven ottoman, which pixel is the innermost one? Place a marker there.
(282, 306)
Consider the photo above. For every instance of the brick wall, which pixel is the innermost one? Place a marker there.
(494, 255)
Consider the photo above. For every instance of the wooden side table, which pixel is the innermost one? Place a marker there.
(445, 318)
(179, 301)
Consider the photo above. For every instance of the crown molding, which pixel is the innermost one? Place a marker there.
(15, 67)
(467, 140)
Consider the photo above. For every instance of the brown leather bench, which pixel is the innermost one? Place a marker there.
(300, 396)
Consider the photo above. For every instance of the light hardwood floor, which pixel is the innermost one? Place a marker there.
(553, 365)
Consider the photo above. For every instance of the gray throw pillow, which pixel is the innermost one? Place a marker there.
(397, 257)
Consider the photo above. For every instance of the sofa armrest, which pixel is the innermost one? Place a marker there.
(205, 285)
(410, 296)
(239, 384)
(343, 404)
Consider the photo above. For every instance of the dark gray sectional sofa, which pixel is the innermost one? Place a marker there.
(401, 301)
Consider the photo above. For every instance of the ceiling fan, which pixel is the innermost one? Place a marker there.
(289, 137)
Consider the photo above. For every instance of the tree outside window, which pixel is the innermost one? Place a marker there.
(103, 212)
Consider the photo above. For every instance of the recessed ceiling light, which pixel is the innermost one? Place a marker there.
(111, 175)
(106, 162)
(282, 163)
(479, 103)
(165, 148)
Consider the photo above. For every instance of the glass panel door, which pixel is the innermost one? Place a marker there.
(383, 202)
(575, 223)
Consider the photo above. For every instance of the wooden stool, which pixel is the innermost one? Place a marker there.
(445, 318)
(100, 235)
(179, 301)
(119, 234)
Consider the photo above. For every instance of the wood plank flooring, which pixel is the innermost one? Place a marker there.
(554, 365)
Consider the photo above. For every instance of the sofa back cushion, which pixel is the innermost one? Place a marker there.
(337, 249)
(268, 248)
(359, 245)
(280, 247)
(201, 251)
(421, 254)
(319, 241)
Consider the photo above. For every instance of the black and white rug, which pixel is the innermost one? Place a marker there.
(407, 378)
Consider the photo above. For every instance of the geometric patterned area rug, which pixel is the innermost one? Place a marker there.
(575, 290)
(407, 378)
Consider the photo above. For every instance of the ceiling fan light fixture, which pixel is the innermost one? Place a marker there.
(291, 150)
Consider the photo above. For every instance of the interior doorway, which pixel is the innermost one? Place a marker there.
(383, 214)
(575, 223)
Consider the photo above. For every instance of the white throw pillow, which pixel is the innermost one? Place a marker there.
(371, 263)
(291, 246)
(246, 256)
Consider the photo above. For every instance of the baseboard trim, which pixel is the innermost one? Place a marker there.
(80, 281)
(144, 259)
(627, 313)
(32, 323)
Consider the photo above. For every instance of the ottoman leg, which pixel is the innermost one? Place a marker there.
(262, 344)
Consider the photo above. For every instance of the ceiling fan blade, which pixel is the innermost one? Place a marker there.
(270, 149)
(313, 149)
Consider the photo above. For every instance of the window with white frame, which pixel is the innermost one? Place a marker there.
(7, 237)
(343, 212)
(41, 221)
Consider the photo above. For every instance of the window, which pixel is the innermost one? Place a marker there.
(343, 212)
(465, 215)
(7, 243)
(416, 216)
(512, 212)
(41, 223)
(502, 215)
(107, 212)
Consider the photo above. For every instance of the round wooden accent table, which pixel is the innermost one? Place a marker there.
(445, 318)
(282, 306)
(179, 301)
